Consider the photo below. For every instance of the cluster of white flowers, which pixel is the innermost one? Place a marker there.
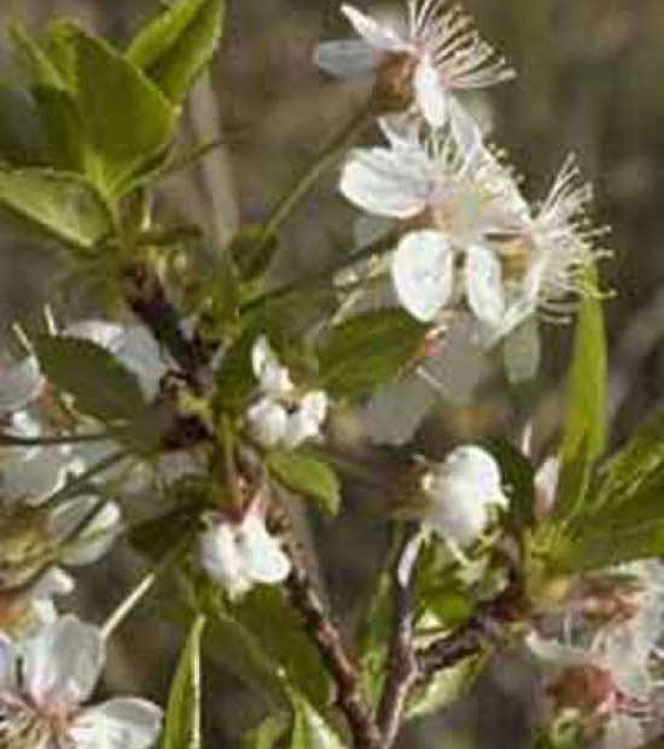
(240, 552)
(604, 672)
(282, 416)
(469, 240)
(44, 681)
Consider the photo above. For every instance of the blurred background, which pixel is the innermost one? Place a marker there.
(591, 76)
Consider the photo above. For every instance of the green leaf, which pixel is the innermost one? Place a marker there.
(183, 716)
(178, 44)
(585, 419)
(22, 138)
(234, 379)
(309, 728)
(62, 126)
(518, 479)
(267, 735)
(368, 350)
(34, 59)
(126, 119)
(63, 205)
(306, 474)
(101, 386)
(446, 687)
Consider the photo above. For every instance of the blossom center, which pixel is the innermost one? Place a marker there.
(585, 686)
(23, 727)
(394, 88)
(26, 547)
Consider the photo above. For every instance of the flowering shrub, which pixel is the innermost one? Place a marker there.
(215, 408)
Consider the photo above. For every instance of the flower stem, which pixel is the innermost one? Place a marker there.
(328, 156)
(56, 439)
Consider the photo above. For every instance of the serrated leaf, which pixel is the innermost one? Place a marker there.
(63, 205)
(585, 419)
(309, 728)
(368, 350)
(126, 120)
(178, 44)
(446, 687)
(182, 728)
(306, 474)
(100, 385)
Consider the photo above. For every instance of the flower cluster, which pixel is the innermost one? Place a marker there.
(468, 238)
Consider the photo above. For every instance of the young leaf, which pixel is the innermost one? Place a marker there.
(446, 687)
(267, 735)
(368, 350)
(305, 474)
(34, 60)
(126, 119)
(22, 138)
(183, 716)
(585, 419)
(309, 728)
(101, 386)
(63, 205)
(178, 44)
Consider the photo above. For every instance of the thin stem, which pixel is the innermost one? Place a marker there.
(119, 614)
(402, 667)
(81, 481)
(56, 439)
(381, 247)
(328, 156)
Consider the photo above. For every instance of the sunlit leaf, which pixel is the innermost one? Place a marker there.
(306, 474)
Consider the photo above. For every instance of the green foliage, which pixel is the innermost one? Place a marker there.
(518, 479)
(367, 350)
(309, 728)
(261, 637)
(183, 715)
(446, 687)
(126, 120)
(234, 379)
(585, 418)
(305, 474)
(624, 520)
(178, 44)
(267, 735)
(64, 206)
(100, 385)
(22, 137)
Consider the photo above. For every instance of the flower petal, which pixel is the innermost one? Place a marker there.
(7, 663)
(63, 662)
(346, 58)
(19, 384)
(263, 557)
(220, 558)
(423, 273)
(377, 35)
(392, 183)
(120, 723)
(268, 422)
(98, 536)
(33, 480)
(431, 96)
(272, 377)
(306, 421)
(484, 286)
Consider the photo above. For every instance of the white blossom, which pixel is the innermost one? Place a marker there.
(44, 683)
(423, 66)
(461, 492)
(282, 416)
(241, 553)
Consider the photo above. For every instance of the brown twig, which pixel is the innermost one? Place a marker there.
(327, 637)
(402, 665)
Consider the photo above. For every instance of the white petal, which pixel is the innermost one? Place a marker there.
(140, 353)
(455, 512)
(33, 480)
(484, 286)
(377, 35)
(63, 662)
(7, 663)
(477, 466)
(465, 130)
(220, 558)
(346, 58)
(54, 582)
(20, 384)
(307, 420)
(457, 364)
(390, 183)
(272, 377)
(263, 557)
(396, 410)
(268, 422)
(522, 352)
(108, 335)
(431, 96)
(423, 273)
(120, 723)
(546, 485)
(98, 536)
